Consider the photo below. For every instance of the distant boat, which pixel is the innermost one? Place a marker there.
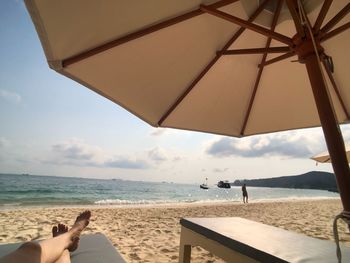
(204, 185)
(224, 184)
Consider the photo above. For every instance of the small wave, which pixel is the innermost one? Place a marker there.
(11, 204)
(131, 202)
(6, 206)
(155, 202)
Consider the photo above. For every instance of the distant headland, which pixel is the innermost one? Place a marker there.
(310, 180)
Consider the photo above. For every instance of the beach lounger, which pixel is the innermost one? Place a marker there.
(240, 240)
(93, 248)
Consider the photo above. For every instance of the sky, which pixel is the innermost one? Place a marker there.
(50, 125)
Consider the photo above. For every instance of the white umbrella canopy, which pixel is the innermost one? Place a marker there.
(227, 67)
(324, 157)
(148, 74)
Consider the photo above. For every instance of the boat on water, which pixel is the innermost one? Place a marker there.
(204, 185)
(224, 184)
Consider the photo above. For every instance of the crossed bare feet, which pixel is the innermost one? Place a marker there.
(80, 223)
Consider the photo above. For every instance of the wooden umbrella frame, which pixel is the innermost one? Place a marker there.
(305, 45)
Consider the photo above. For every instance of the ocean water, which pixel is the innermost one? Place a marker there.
(30, 190)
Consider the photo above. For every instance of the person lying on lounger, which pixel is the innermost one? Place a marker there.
(52, 250)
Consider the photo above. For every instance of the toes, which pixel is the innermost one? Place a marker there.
(54, 231)
(88, 213)
(61, 228)
(85, 215)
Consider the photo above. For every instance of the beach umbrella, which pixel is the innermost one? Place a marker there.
(227, 67)
(325, 157)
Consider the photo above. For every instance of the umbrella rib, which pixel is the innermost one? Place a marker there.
(335, 87)
(322, 15)
(335, 32)
(258, 77)
(336, 19)
(296, 17)
(140, 33)
(276, 59)
(211, 63)
(256, 51)
(327, 160)
(249, 25)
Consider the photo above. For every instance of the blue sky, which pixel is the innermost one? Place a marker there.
(51, 125)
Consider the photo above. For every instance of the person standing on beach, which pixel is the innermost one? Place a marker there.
(245, 193)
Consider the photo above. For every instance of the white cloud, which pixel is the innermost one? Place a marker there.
(126, 163)
(219, 170)
(169, 133)
(177, 158)
(294, 144)
(10, 96)
(76, 152)
(157, 154)
(157, 131)
(4, 142)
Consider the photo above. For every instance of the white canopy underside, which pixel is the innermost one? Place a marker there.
(325, 158)
(147, 75)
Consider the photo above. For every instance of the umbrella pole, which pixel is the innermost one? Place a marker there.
(331, 130)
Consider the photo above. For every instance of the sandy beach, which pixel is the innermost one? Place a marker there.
(151, 234)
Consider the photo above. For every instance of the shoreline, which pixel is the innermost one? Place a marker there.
(161, 204)
(152, 233)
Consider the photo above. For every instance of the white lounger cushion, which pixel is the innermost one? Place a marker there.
(93, 248)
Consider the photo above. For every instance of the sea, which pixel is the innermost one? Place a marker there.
(31, 190)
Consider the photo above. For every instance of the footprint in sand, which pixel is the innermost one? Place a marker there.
(134, 256)
(37, 236)
(198, 248)
(165, 250)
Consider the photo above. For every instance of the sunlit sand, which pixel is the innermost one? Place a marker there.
(151, 234)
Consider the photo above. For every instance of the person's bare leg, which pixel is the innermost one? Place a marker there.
(53, 248)
(28, 252)
(50, 250)
(56, 231)
(65, 257)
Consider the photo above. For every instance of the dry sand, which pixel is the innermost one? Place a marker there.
(151, 234)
